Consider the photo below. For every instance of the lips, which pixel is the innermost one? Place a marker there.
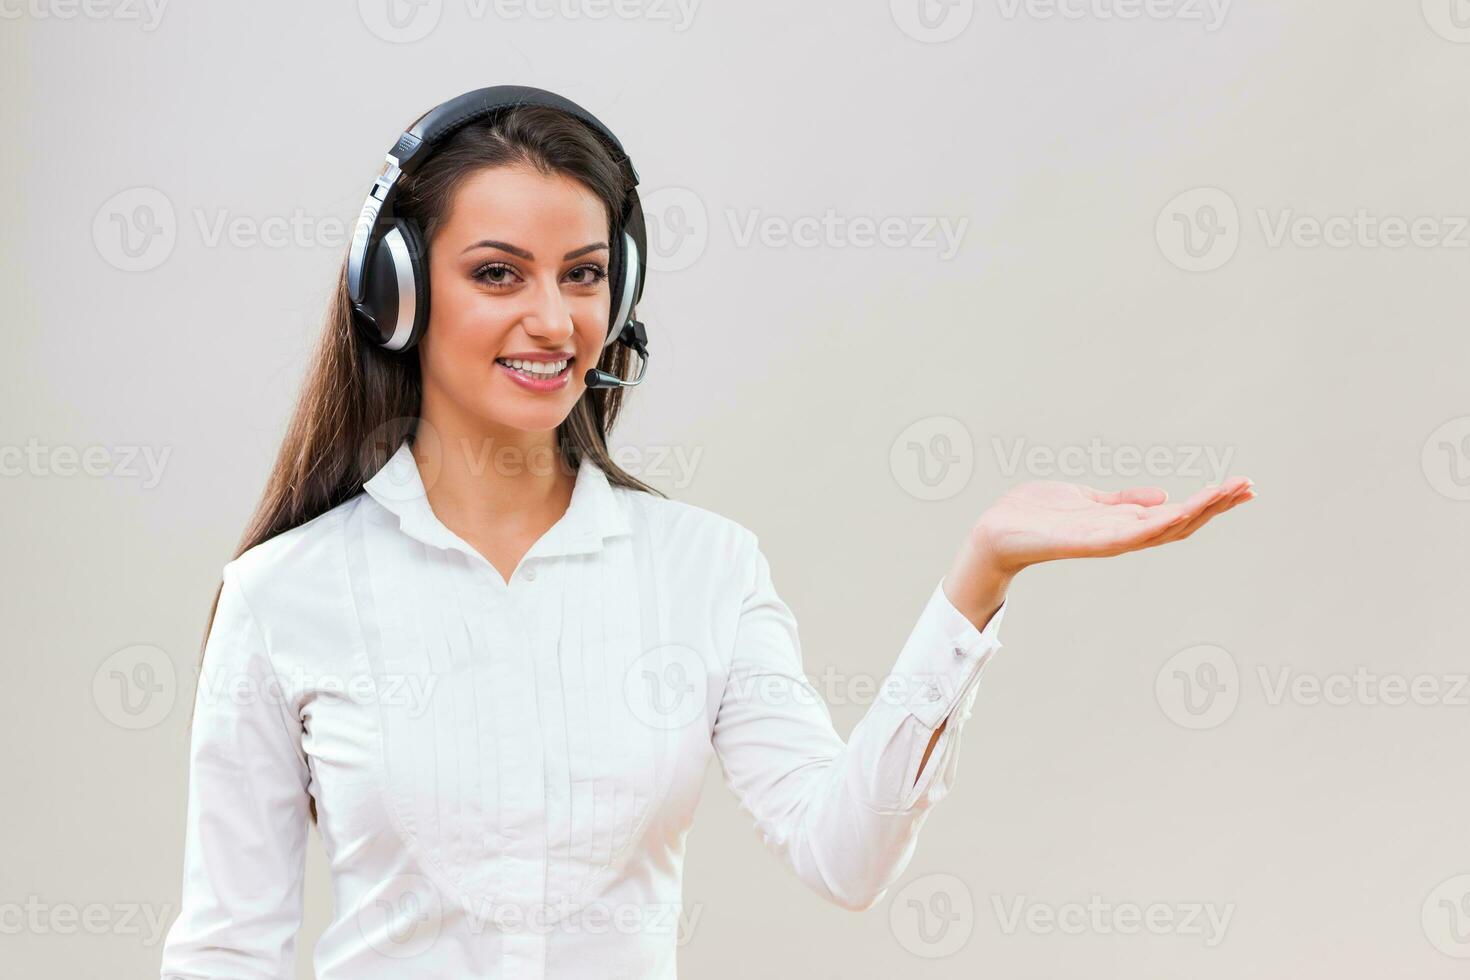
(534, 381)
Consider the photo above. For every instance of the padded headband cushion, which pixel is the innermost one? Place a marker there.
(440, 122)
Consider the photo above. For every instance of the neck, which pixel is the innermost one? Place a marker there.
(483, 478)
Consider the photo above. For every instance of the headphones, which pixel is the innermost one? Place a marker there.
(387, 267)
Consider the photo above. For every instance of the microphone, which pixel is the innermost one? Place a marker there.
(635, 337)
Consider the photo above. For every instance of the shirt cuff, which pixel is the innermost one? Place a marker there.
(942, 658)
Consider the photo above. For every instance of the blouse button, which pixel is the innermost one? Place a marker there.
(530, 575)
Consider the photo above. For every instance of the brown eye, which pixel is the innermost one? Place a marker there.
(495, 274)
(590, 274)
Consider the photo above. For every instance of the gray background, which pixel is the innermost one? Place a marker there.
(875, 396)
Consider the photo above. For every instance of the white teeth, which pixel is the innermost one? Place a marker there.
(544, 369)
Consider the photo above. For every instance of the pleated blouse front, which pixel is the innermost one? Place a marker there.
(504, 772)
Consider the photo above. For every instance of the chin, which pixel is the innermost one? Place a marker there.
(543, 417)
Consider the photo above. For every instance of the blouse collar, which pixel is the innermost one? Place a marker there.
(595, 511)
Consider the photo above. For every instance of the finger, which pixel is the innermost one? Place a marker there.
(1173, 521)
(1166, 516)
(1234, 484)
(1180, 530)
(1155, 526)
(1208, 496)
(1209, 514)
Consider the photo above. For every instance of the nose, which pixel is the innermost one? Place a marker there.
(548, 317)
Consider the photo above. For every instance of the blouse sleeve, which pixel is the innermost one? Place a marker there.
(844, 816)
(245, 843)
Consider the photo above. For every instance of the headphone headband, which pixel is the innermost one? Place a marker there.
(441, 122)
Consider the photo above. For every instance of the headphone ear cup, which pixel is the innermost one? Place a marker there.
(418, 256)
(627, 264)
(398, 286)
(637, 233)
(615, 279)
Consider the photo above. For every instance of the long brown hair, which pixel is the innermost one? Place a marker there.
(359, 402)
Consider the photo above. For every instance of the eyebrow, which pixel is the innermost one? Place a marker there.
(522, 253)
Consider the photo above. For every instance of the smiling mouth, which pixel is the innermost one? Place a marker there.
(536, 370)
(537, 376)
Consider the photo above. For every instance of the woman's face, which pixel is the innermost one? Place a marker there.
(519, 268)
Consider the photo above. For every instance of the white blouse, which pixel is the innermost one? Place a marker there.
(504, 772)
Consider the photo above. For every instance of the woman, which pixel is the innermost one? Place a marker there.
(492, 666)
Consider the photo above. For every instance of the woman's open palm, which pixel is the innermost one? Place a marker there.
(1050, 519)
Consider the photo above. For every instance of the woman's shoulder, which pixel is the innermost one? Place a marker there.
(685, 527)
(306, 557)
